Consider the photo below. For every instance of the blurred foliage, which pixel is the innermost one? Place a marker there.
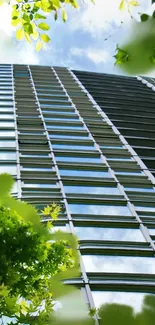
(137, 54)
(32, 259)
(29, 18)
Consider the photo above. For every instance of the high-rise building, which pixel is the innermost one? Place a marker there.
(61, 146)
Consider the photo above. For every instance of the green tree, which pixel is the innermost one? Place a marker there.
(136, 55)
(33, 260)
(29, 17)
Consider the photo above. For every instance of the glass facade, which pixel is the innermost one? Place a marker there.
(59, 147)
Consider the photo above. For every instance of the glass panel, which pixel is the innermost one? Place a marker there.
(119, 159)
(151, 231)
(7, 124)
(139, 189)
(92, 190)
(83, 173)
(141, 208)
(7, 134)
(119, 264)
(60, 119)
(57, 136)
(99, 209)
(7, 144)
(79, 159)
(130, 173)
(11, 169)
(72, 147)
(118, 234)
(6, 117)
(7, 156)
(6, 109)
(35, 169)
(41, 185)
(67, 127)
(133, 299)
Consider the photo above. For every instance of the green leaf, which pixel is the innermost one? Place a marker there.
(19, 34)
(38, 16)
(15, 22)
(64, 15)
(45, 38)
(28, 28)
(2, 2)
(56, 15)
(144, 17)
(35, 35)
(134, 3)
(44, 26)
(38, 46)
(122, 5)
(26, 17)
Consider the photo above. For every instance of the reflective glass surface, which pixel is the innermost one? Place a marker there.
(116, 234)
(99, 209)
(119, 264)
(11, 169)
(7, 155)
(7, 144)
(78, 159)
(133, 299)
(7, 134)
(92, 190)
(83, 173)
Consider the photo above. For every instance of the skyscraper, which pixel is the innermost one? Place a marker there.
(61, 146)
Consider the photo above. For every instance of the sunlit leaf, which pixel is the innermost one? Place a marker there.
(45, 38)
(38, 46)
(19, 34)
(122, 5)
(15, 22)
(64, 15)
(134, 3)
(44, 26)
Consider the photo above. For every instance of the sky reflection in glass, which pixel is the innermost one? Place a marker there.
(119, 264)
(99, 209)
(133, 299)
(103, 233)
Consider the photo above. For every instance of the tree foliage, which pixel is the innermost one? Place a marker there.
(136, 55)
(29, 18)
(33, 260)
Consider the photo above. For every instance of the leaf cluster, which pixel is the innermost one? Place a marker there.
(29, 17)
(32, 259)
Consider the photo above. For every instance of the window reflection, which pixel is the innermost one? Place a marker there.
(7, 155)
(99, 209)
(119, 264)
(11, 169)
(7, 134)
(118, 234)
(72, 147)
(7, 124)
(92, 190)
(141, 208)
(7, 144)
(78, 159)
(83, 173)
(133, 299)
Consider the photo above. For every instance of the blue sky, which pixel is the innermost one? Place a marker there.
(78, 44)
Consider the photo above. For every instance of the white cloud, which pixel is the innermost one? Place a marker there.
(104, 16)
(95, 55)
(12, 51)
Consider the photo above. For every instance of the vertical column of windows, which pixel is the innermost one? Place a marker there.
(8, 156)
(39, 184)
(107, 229)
